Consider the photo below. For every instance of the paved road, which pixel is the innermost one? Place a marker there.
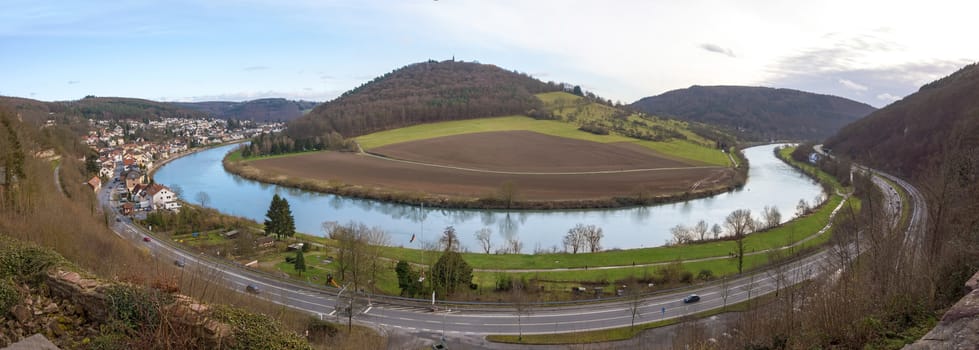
(468, 323)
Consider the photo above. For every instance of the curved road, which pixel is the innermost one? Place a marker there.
(469, 323)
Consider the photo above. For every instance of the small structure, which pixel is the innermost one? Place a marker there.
(296, 246)
(95, 182)
(231, 234)
(265, 242)
(127, 208)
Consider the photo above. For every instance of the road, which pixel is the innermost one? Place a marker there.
(468, 323)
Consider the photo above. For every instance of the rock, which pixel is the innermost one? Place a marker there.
(51, 308)
(21, 313)
(959, 327)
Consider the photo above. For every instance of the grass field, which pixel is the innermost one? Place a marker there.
(680, 149)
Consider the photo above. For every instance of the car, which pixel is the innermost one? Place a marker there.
(692, 298)
(146, 238)
(179, 263)
(117, 220)
(251, 288)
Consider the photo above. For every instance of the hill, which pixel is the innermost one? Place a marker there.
(758, 113)
(904, 136)
(101, 108)
(266, 109)
(421, 93)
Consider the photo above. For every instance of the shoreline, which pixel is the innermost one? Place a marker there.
(242, 169)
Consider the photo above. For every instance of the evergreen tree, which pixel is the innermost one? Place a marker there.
(273, 218)
(300, 263)
(288, 227)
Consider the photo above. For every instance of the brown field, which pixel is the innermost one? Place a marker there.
(529, 161)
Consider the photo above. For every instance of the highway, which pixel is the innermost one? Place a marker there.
(469, 323)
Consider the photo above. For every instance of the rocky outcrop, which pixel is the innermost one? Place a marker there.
(69, 308)
(959, 328)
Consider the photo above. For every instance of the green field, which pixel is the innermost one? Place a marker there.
(681, 149)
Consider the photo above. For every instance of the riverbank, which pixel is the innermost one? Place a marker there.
(156, 166)
(506, 198)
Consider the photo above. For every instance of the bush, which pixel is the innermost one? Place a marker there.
(504, 282)
(705, 274)
(686, 277)
(8, 296)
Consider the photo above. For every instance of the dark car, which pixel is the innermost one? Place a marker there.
(117, 220)
(179, 263)
(251, 288)
(692, 298)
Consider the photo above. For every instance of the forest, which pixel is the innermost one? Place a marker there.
(421, 93)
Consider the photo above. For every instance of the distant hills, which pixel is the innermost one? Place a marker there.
(758, 113)
(424, 92)
(263, 110)
(904, 136)
(115, 108)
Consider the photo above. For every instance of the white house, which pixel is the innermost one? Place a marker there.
(160, 197)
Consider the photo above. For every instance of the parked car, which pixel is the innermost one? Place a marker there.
(692, 298)
(251, 288)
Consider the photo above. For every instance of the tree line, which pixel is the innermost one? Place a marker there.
(268, 144)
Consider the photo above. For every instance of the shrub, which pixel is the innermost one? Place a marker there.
(686, 277)
(705, 274)
(503, 282)
(8, 296)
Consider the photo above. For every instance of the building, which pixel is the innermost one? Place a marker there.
(95, 182)
(160, 197)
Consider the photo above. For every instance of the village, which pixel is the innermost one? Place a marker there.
(128, 151)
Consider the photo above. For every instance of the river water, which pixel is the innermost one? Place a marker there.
(770, 183)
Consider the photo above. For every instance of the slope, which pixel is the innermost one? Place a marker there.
(758, 113)
(904, 136)
(421, 93)
(266, 109)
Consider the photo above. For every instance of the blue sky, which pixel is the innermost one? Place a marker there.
(872, 51)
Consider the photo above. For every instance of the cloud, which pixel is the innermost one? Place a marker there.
(888, 97)
(73, 82)
(304, 94)
(718, 49)
(849, 84)
(255, 68)
(837, 67)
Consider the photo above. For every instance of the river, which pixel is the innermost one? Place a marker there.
(770, 183)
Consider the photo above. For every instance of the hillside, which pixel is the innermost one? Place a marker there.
(758, 113)
(903, 136)
(263, 110)
(101, 108)
(421, 93)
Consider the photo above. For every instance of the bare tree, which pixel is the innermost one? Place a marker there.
(449, 240)
(508, 193)
(358, 252)
(202, 198)
(513, 246)
(739, 223)
(575, 239)
(593, 234)
(716, 230)
(725, 290)
(521, 304)
(802, 208)
(700, 229)
(483, 236)
(773, 217)
(681, 235)
(636, 302)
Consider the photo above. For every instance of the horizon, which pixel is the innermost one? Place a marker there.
(874, 52)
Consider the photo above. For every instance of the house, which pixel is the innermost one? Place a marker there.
(127, 208)
(265, 242)
(106, 171)
(95, 182)
(160, 196)
(133, 178)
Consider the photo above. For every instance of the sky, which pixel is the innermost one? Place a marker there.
(875, 52)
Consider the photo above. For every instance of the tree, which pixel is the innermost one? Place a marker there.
(450, 272)
(278, 219)
(358, 251)
(577, 91)
(522, 304)
(802, 208)
(739, 223)
(681, 235)
(508, 193)
(593, 236)
(300, 263)
(407, 279)
(716, 230)
(92, 163)
(575, 239)
(202, 197)
(636, 302)
(483, 236)
(700, 229)
(773, 217)
(449, 240)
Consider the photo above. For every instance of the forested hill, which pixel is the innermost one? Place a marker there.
(262, 110)
(758, 113)
(907, 135)
(104, 108)
(424, 92)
